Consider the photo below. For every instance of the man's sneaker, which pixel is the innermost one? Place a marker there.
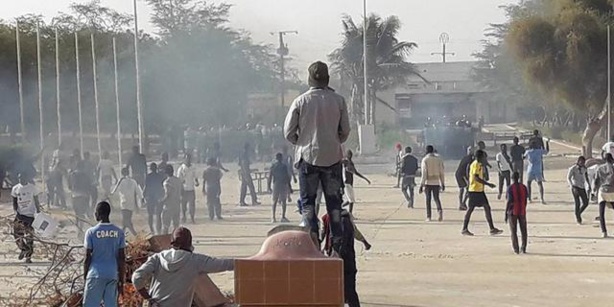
(499, 197)
(440, 218)
(428, 219)
(543, 202)
(28, 260)
(495, 231)
(242, 205)
(467, 233)
(523, 250)
(21, 255)
(516, 251)
(273, 220)
(604, 235)
(285, 220)
(462, 208)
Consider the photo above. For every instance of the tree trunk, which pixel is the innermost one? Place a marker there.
(593, 125)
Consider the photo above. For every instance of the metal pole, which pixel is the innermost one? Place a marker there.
(609, 87)
(364, 48)
(79, 107)
(119, 122)
(20, 85)
(96, 96)
(283, 69)
(41, 113)
(57, 86)
(139, 104)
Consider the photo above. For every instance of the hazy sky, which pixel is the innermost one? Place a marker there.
(318, 21)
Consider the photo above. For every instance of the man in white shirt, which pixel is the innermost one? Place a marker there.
(187, 174)
(130, 196)
(106, 174)
(433, 181)
(26, 205)
(608, 148)
(504, 165)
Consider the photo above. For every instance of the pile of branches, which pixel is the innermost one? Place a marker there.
(60, 282)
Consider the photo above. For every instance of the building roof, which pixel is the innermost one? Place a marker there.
(450, 77)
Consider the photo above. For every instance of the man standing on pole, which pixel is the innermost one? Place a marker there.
(317, 124)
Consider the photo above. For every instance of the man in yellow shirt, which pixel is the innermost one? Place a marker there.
(477, 197)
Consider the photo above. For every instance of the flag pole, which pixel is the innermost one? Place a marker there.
(119, 122)
(96, 96)
(139, 102)
(22, 123)
(41, 114)
(79, 107)
(57, 85)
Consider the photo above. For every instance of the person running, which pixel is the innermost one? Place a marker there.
(187, 174)
(477, 197)
(517, 154)
(504, 166)
(278, 175)
(433, 181)
(398, 159)
(577, 178)
(130, 195)
(349, 171)
(171, 274)
(516, 211)
(409, 168)
(535, 169)
(106, 174)
(347, 253)
(153, 193)
(26, 205)
(172, 200)
(212, 188)
(245, 173)
(605, 175)
(137, 163)
(80, 186)
(462, 179)
(104, 267)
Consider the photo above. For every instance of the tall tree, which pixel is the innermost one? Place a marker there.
(387, 62)
(561, 46)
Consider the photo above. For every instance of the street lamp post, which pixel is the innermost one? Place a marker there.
(367, 105)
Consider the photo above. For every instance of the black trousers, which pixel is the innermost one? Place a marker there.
(515, 221)
(602, 206)
(432, 192)
(504, 177)
(349, 287)
(23, 232)
(579, 195)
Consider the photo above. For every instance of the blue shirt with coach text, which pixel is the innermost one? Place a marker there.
(105, 240)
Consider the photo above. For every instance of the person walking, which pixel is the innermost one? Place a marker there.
(605, 175)
(278, 175)
(318, 123)
(516, 213)
(130, 196)
(26, 205)
(106, 174)
(433, 181)
(349, 170)
(187, 174)
(245, 175)
(80, 186)
(212, 188)
(504, 166)
(104, 268)
(577, 178)
(535, 168)
(172, 200)
(477, 197)
(398, 159)
(409, 168)
(153, 194)
(517, 154)
(171, 274)
(462, 179)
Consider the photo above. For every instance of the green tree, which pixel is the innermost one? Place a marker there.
(387, 62)
(561, 46)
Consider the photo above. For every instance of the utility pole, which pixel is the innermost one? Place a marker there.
(444, 39)
(282, 51)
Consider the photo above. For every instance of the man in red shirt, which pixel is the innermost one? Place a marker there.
(517, 196)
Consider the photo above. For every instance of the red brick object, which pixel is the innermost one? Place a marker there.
(289, 271)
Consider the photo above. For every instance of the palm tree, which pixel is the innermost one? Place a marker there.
(387, 62)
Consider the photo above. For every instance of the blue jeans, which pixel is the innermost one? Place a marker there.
(310, 177)
(99, 290)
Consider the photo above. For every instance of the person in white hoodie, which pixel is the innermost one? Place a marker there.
(172, 272)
